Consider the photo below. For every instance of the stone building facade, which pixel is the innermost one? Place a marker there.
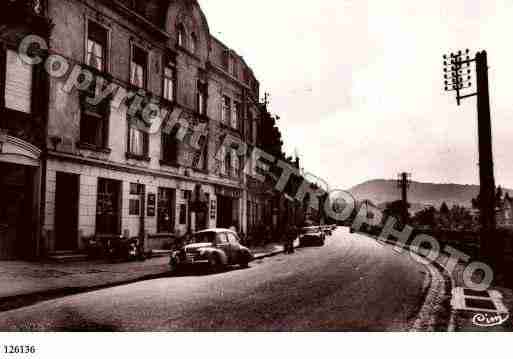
(102, 170)
(22, 131)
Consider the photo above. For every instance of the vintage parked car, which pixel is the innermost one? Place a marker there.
(215, 248)
(327, 230)
(312, 236)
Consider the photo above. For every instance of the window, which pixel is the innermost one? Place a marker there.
(237, 115)
(166, 210)
(180, 31)
(183, 213)
(237, 166)
(134, 207)
(93, 129)
(138, 138)
(221, 238)
(202, 98)
(255, 131)
(138, 68)
(228, 163)
(249, 127)
(227, 110)
(226, 60)
(200, 157)
(232, 238)
(230, 63)
(246, 75)
(222, 162)
(170, 146)
(169, 83)
(17, 88)
(235, 67)
(97, 40)
(134, 204)
(108, 213)
(94, 120)
(194, 43)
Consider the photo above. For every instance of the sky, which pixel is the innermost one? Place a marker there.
(359, 84)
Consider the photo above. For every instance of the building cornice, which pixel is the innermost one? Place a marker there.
(125, 168)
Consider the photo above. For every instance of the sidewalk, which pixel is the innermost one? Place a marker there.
(24, 283)
(462, 320)
(269, 250)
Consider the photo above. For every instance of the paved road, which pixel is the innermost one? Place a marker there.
(352, 283)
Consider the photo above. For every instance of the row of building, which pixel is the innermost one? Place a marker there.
(70, 171)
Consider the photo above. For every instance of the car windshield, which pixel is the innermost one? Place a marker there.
(206, 237)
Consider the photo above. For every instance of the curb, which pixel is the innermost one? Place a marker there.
(267, 255)
(448, 315)
(23, 300)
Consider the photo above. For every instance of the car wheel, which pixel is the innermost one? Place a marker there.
(173, 265)
(215, 264)
(245, 258)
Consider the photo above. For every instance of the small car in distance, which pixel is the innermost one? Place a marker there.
(215, 248)
(312, 236)
(327, 230)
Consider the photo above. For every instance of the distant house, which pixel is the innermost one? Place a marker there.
(505, 212)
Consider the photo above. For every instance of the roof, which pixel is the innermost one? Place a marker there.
(215, 230)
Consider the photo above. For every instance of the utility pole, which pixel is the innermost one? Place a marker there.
(404, 182)
(457, 69)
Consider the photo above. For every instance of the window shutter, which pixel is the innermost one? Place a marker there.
(18, 84)
(40, 89)
(3, 71)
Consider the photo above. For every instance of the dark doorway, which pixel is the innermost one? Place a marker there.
(108, 207)
(224, 211)
(16, 212)
(66, 211)
(166, 210)
(202, 213)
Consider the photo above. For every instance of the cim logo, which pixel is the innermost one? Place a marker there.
(490, 320)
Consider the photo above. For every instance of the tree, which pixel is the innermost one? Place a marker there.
(475, 202)
(499, 194)
(426, 217)
(396, 210)
(444, 209)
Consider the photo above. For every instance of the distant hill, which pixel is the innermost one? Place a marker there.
(419, 195)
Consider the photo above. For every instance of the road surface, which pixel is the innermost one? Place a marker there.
(351, 284)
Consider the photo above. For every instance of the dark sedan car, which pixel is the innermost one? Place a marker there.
(215, 248)
(312, 236)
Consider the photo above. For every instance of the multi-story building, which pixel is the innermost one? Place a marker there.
(23, 100)
(85, 169)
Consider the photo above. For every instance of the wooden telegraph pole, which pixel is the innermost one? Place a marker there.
(457, 76)
(403, 182)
